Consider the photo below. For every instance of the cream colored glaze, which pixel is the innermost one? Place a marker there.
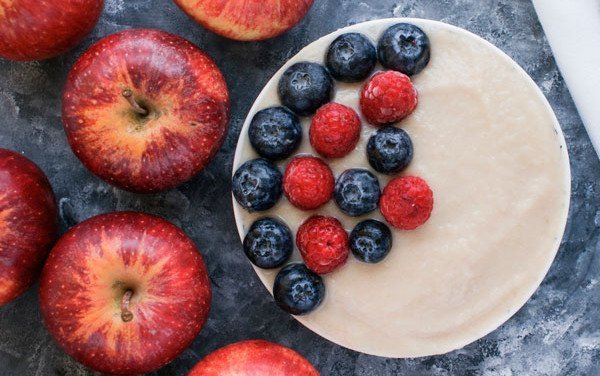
(493, 153)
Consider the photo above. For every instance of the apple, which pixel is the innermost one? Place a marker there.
(145, 110)
(28, 223)
(124, 292)
(41, 29)
(247, 20)
(254, 358)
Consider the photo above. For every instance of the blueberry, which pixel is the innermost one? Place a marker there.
(389, 150)
(304, 87)
(275, 133)
(268, 244)
(357, 192)
(257, 185)
(297, 290)
(351, 57)
(405, 48)
(370, 241)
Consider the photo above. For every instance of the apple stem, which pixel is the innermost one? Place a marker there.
(128, 94)
(126, 314)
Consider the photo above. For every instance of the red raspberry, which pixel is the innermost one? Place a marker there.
(388, 97)
(323, 244)
(406, 202)
(308, 182)
(334, 130)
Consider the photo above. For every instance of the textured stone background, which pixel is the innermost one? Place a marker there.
(556, 333)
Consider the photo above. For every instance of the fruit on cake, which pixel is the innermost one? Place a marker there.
(426, 195)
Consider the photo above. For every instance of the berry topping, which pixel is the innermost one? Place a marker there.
(370, 241)
(405, 48)
(256, 185)
(389, 150)
(323, 244)
(351, 57)
(275, 133)
(308, 182)
(388, 97)
(297, 290)
(357, 192)
(406, 202)
(268, 244)
(304, 87)
(334, 130)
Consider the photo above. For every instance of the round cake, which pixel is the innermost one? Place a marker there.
(492, 151)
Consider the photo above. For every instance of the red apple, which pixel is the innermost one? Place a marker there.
(28, 223)
(254, 358)
(145, 110)
(40, 29)
(247, 20)
(124, 293)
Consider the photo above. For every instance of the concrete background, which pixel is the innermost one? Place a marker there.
(556, 333)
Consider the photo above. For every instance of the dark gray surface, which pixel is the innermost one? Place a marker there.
(556, 333)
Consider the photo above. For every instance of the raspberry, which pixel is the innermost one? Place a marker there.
(406, 202)
(308, 182)
(323, 244)
(334, 130)
(388, 97)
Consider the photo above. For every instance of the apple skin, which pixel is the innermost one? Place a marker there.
(246, 20)
(28, 223)
(254, 358)
(181, 87)
(90, 270)
(41, 29)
